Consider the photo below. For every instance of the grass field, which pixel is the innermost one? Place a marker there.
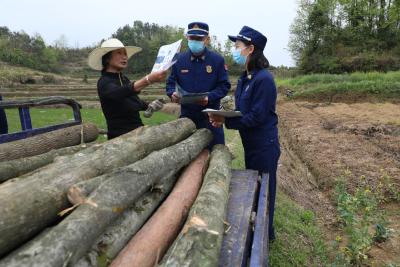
(344, 87)
(298, 242)
(42, 117)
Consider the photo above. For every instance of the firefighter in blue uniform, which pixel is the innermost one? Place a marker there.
(200, 70)
(255, 98)
(3, 120)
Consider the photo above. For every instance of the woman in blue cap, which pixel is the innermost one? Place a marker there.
(255, 98)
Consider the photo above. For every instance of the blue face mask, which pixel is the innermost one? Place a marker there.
(238, 57)
(196, 46)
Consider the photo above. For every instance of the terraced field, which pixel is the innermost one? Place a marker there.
(82, 92)
(85, 93)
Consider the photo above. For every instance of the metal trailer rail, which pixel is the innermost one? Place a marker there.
(25, 117)
(245, 242)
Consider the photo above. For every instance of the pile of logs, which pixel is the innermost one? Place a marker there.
(152, 196)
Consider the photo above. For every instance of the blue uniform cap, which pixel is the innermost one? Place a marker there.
(250, 35)
(198, 29)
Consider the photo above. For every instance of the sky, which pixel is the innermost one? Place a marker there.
(86, 22)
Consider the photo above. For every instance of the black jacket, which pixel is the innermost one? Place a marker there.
(3, 120)
(120, 104)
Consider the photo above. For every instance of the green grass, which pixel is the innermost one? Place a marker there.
(393, 76)
(298, 242)
(233, 141)
(42, 117)
(355, 86)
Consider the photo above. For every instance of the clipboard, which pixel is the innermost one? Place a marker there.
(224, 113)
(189, 98)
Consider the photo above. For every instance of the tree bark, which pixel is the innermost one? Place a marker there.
(29, 205)
(78, 193)
(46, 142)
(199, 242)
(118, 234)
(17, 167)
(154, 238)
(67, 242)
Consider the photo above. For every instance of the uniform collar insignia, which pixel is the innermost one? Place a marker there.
(203, 57)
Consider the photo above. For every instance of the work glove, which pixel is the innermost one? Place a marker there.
(228, 103)
(154, 106)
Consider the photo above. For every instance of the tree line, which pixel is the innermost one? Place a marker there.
(30, 51)
(151, 36)
(336, 36)
(19, 48)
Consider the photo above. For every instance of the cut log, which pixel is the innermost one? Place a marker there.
(199, 242)
(29, 205)
(78, 193)
(17, 167)
(46, 142)
(172, 108)
(67, 242)
(154, 238)
(118, 234)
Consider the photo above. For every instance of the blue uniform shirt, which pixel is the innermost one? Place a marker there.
(206, 73)
(200, 74)
(255, 98)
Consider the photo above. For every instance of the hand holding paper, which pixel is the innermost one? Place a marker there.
(216, 120)
(157, 76)
(166, 56)
(175, 98)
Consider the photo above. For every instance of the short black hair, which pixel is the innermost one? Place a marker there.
(257, 59)
(105, 60)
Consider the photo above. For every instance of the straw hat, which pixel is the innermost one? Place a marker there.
(112, 44)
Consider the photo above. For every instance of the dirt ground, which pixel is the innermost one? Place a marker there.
(322, 141)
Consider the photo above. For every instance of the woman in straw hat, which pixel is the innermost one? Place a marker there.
(118, 95)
